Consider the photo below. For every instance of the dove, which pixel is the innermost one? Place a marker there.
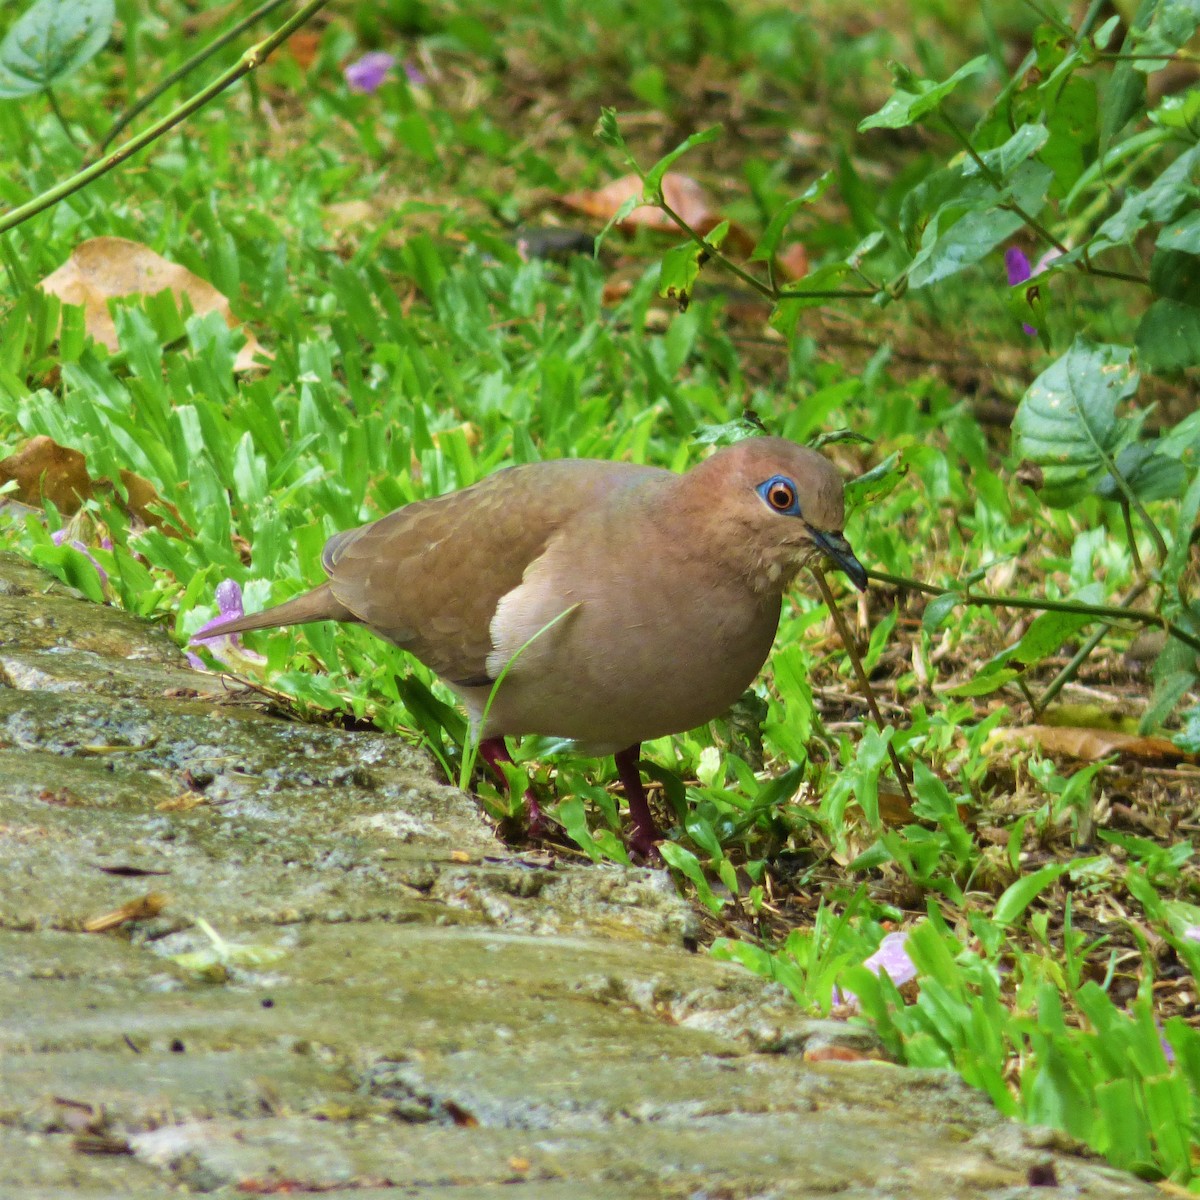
(614, 603)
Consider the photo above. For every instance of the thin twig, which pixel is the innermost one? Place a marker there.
(1081, 656)
(1099, 611)
(250, 61)
(186, 68)
(863, 682)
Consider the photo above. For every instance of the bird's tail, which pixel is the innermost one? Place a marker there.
(318, 605)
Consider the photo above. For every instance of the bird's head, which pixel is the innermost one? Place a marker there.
(780, 505)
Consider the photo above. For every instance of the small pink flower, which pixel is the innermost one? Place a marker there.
(229, 607)
(891, 959)
(368, 72)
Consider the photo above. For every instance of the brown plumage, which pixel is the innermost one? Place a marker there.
(651, 598)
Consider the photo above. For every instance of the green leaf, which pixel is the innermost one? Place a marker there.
(1017, 897)
(50, 42)
(1067, 421)
(985, 225)
(626, 208)
(938, 609)
(653, 177)
(1172, 26)
(1188, 738)
(1181, 543)
(1180, 111)
(1168, 336)
(688, 865)
(608, 131)
(877, 482)
(1048, 630)
(1160, 202)
(985, 682)
(1182, 235)
(1072, 125)
(679, 271)
(1149, 475)
(773, 234)
(1126, 90)
(1176, 276)
(915, 97)
(1004, 159)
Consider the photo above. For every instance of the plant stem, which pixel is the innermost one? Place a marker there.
(186, 68)
(250, 61)
(62, 120)
(1099, 611)
(1081, 656)
(863, 682)
(727, 263)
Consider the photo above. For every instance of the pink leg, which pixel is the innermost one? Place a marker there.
(493, 751)
(645, 832)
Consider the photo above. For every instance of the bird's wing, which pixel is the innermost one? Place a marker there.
(430, 576)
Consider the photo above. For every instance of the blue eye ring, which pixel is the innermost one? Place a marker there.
(779, 493)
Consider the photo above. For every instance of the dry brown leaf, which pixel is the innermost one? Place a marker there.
(45, 471)
(141, 909)
(1090, 745)
(303, 47)
(682, 194)
(107, 267)
(792, 263)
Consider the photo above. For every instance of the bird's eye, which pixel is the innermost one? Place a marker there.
(781, 496)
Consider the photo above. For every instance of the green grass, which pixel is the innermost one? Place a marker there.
(366, 239)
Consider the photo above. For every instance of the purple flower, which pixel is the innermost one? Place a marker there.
(229, 607)
(891, 959)
(1017, 266)
(1019, 270)
(368, 72)
(59, 536)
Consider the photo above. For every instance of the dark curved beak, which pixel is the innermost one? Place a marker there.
(835, 547)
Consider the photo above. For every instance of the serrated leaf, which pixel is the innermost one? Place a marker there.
(1067, 421)
(914, 97)
(50, 42)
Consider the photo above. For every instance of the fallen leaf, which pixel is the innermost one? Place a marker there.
(682, 194)
(45, 471)
(838, 1053)
(1091, 745)
(104, 268)
(141, 909)
(303, 46)
(792, 263)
